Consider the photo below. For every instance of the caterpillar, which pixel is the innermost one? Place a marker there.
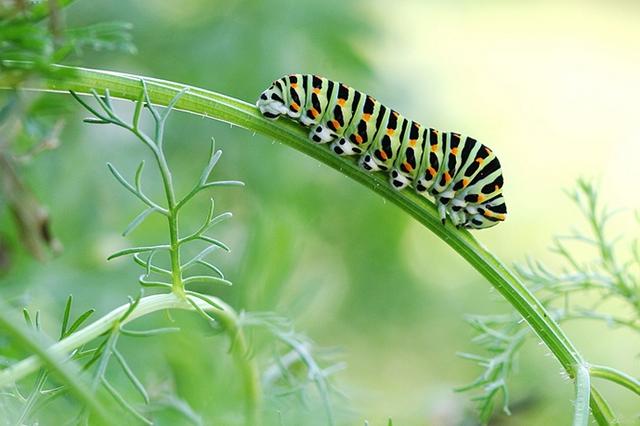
(462, 175)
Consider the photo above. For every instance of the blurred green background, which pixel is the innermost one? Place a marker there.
(552, 87)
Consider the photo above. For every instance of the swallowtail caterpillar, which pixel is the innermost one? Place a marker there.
(462, 175)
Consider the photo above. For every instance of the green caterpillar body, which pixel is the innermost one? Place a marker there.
(462, 175)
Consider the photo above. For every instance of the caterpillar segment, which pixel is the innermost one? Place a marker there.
(407, 163)
(462, 175)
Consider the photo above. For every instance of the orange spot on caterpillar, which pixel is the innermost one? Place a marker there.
(316, 91)
(412, 143)
(434, 148)
(341, 102)
(335, 123)
(431, 171)
(480, 198)
(366, 117)
(465, 182)
(408, 167)
(295, 106)
(479, 160)
(447, 177)
(454, 151)
(358, 139)
(383, 155)
(501, 216)
(488, 150)
(390, 132)
(294, 85)
(496, 188)
(314, 112)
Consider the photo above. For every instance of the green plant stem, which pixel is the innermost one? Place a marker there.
(33, 397)
(605, 415)
(583, 387)
(615, 376)
(172, 207)
(54, 355)
(239, 113)
(241, 353)
(176, 271)
(172, 217)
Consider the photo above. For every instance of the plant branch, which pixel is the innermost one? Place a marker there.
(615, 376)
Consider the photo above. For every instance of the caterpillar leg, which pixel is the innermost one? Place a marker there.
(471, 210)
(321, 134)
(271, 104)
(307, 121)
(458, 215)
(421, 186)
(398, 180)
(367, 163)
(344, 147)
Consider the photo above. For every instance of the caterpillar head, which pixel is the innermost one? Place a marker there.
(479, 221)
(488, 215)
(271, 102)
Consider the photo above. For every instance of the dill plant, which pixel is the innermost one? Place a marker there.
(79, 361)
(175, 278)
(604, 278)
